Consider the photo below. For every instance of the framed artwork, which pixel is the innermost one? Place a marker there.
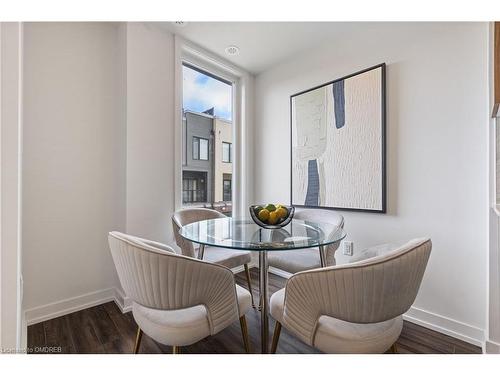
(338, 144)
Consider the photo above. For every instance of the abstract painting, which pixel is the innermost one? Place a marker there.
(338, 143)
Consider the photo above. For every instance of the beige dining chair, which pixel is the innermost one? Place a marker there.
(306, 259)
(177, 300)
(352, 308)
(225, 257)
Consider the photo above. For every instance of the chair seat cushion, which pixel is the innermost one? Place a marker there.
(338, 336)
(226, 257)
(294, 261)
(183, 326)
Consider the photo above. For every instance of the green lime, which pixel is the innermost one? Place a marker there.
(257, 209)
(271, 207)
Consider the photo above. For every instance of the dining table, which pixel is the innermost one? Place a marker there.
(243, 234)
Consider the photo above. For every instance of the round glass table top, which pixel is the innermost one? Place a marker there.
(244, 234)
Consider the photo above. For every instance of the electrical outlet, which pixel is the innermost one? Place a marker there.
(348, 248)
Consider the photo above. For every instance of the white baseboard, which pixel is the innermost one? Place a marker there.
(67, 306)
(439, 323)
(238, 269)
(123, 302)
(278, 272)
(491, 347)
(447, 326)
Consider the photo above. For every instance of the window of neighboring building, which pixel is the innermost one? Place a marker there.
(200, 148)
(227, 150)
(194, 187)
(226, 188)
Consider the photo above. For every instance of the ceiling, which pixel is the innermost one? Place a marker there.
(262, 44)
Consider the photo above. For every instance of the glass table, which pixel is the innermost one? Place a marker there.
(244, 234)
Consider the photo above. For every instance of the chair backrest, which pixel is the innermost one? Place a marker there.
(325, 216)
(369, 291)
(156, 277)
(188, 216)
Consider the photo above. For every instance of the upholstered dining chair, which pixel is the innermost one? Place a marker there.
(177, 300)
(352, 308)
(225, 257)
(306, 259)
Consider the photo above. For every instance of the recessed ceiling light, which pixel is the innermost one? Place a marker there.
(180, 23)
(232, 50)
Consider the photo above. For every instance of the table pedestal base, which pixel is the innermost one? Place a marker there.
(264, 299)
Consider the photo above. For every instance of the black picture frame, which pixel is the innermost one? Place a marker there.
(383, 210)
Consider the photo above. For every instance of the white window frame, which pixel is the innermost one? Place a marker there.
(242, 81)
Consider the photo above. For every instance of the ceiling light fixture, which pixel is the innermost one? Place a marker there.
(232, 50)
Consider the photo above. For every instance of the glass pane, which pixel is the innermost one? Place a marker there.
(202, 92)
(227, 190)
(207, 131)
(196, 148)
(226, 154)
(203, 149)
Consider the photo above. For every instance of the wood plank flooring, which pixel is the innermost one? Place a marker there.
(104, 329)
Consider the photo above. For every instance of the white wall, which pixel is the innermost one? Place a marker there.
(437, 132)
(150, 132)
(11, 332)
(74, 162)
(99, 140)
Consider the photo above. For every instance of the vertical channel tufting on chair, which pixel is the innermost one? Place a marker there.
(370, 291)
(157, 278)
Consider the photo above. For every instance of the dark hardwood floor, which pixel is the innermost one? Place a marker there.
(104, 329)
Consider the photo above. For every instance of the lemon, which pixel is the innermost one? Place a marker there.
(282, 212)
(273, 217)
(271, 207)
(263, 215)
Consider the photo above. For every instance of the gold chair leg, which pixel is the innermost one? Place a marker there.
(138, 339)
(244, 333)
(394, 349)
(176, 350)
(247, 273)
(276, 337)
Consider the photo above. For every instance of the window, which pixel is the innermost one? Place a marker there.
(207, 136)
(226, 188)
(227, 152)
(200, 148)
(194, 187)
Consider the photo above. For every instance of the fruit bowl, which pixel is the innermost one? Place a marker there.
(271, 216)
